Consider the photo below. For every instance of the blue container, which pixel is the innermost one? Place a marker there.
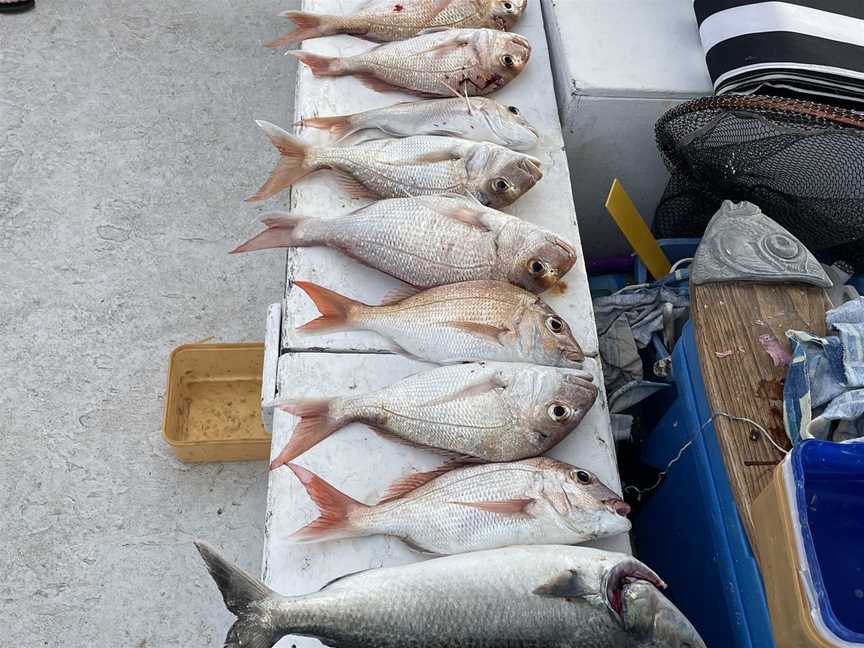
(689, 530)
(829, 489)
(675, 249)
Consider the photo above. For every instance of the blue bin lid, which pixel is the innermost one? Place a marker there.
(829, 485)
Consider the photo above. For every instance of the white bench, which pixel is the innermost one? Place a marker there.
(355, 459)
(619, 65)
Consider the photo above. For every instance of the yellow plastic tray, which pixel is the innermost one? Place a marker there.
(213, 403)
(777, 553)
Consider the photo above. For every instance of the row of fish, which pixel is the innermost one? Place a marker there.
(439, 170)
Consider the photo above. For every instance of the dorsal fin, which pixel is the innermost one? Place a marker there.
(412, 482)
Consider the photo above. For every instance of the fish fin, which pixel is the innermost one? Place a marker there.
(280, 233)
(485, 331)
(378, 85)
(339, 126)
(624, 572)
(398, 294)
(321, 66)
(335, 309)
(486, 385)
(246, 597)
(314, 426)
(567, 585)
(335, 506)
(455, 457)
(464, 214)
(309, 25)
(443, 48)
(290, 168)
(437, 156)
(354, 187)
(504, 507)
(412, 482)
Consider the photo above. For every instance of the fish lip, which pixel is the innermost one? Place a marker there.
(574, 354)
(532, 167)
(618, 506)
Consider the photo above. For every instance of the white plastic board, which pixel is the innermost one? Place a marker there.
(549, 203)
(362, 464)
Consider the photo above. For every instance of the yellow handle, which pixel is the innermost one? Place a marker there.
(627, 217)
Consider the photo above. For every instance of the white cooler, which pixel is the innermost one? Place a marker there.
(618, 65)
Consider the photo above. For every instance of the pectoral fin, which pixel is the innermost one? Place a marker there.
(568, 585)
(503, 507)
(479, 388)
(486, 331)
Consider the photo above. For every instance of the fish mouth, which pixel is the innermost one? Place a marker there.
(574, 354)
(617, 506)
(531, 166)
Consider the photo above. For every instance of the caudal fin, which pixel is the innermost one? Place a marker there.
(339, 126)
(291, 166)
(321, 66)
(281, 232)
(315, 425)
(336, 310)
(335, 506)
(247, 598)
(309, 25)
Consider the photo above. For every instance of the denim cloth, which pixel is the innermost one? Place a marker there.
(822, 396)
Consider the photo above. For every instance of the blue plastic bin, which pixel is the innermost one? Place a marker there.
(689, 530)
(829, 489)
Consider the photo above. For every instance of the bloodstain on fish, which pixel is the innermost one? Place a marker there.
(397, 8)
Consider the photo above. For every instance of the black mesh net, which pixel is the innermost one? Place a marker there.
(801, 162)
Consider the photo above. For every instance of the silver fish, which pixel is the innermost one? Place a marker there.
(472, 320)
(434, 64)
(390, 20)
(480, 119)
(448, 511)
(543, 596)
(400, 168)
(486, 411)
(431, 242)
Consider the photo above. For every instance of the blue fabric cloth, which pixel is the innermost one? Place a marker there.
(822, 395)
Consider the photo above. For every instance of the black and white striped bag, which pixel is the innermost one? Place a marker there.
(814, 47)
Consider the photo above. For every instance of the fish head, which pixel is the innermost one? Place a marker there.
(647, 613)
(582, 502)
(508, 55)
(507, 122)
(500, 176)
(556, 401)
(547, 338)
(505, 13)
(536, 259)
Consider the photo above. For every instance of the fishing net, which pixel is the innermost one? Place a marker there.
(801, 162)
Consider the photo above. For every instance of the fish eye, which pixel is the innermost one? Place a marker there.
(500, 184)
(554, 324)
(508, 6)
(508, 61)
(536, 267)
(513, 109)
(559, 412)
(582, 476)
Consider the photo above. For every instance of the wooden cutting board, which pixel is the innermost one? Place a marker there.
(740, 377)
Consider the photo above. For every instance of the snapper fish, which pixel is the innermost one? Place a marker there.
(431, 242)
(471, 508)
(391, 20)
(462, 322)
(414, 166)
(531, 596)
(479, 411)
(434, 64)
(480, 119)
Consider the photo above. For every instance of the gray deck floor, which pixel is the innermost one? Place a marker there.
(126, 147)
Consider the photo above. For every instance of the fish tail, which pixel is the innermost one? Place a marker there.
(291, 167)
(337, 312)
(321, 66)
(335, 506)
(247, 598)
(339, 127)
(282, 231)
(315, 425)
(309, 25)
